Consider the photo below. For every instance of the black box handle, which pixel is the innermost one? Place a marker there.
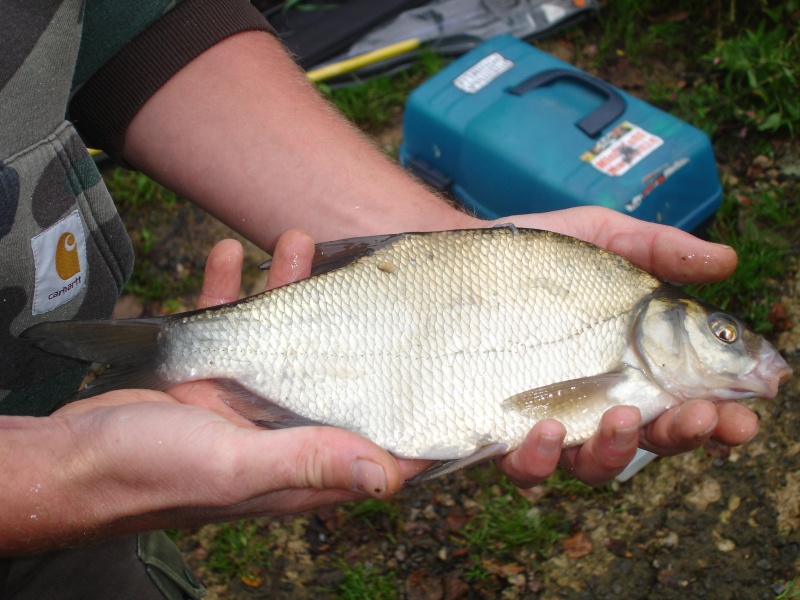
(593, 124)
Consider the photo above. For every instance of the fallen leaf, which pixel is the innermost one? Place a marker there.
(421, 585)
(252, 582)
(454, 586)
(577, 545)
(504, 570)
(778, 318)
(456, 519)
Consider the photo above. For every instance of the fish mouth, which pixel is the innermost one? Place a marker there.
(764, 380)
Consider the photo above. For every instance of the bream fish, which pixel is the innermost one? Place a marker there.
(448, 345)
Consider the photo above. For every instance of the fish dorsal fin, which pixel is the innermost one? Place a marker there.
(261, 411)
(441, 468)
(329, 256)
(558, 400)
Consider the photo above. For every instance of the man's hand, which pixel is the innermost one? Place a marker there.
(131, 460)
(672, 255)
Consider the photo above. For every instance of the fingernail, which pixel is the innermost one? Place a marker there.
(369, 478)
(624, 438)
(549, 445)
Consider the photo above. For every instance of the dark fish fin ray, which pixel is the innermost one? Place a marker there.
(508, 225)
(440, 468)
(261, 411)
(128, 346)
(550, 401)
(329, 256)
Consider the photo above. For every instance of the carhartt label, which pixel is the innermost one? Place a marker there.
(59, 254)
(482, 73)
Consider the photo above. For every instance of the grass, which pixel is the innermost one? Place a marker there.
(240, 550)
(507, 528)
(740, 72)
(133, 191)
(372, 511)
(792, 590)
(570, 487)
(365, 582)
(758, 69)
(507, 521)
(378, 102)
(146, 208)
(763, 228)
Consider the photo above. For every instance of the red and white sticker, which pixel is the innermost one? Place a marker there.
(621, 149)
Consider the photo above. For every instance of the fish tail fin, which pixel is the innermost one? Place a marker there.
(129, 347)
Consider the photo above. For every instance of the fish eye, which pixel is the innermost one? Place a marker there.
(724, 328)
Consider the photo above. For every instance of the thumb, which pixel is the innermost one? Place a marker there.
(323, 458)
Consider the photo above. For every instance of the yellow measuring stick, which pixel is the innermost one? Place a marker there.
(362, 60)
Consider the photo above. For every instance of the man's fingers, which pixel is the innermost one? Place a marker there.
(292, 258)
(737, 424)
(537, 457)
(609, 451)
(223, 274)
(318, 458)
(689, 425)
(681, 429)
(683, 258)
(222, 280)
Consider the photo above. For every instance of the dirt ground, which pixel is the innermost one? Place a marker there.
(717, 523)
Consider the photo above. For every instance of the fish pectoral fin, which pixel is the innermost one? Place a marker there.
(261, 411)
(557, 400)
(446, 467)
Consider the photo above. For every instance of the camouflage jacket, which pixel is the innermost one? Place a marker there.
(72, 70)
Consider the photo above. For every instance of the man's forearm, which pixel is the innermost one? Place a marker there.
(273, 154)
(45, 503)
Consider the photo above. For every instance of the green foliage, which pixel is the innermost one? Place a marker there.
(132, 190)
(509, 521)
(743, 71)
(372, 510)
(763, 230)
(378, 102)
(621, 22)
(145, 206)
(239, 550)
(567, 485)
(365, 582)
(759, 84)
(792, 590)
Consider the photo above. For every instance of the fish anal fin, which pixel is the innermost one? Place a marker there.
(438, 469)
(560, 400)
(258, 409)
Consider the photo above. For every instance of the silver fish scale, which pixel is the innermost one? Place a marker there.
(417, 345)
